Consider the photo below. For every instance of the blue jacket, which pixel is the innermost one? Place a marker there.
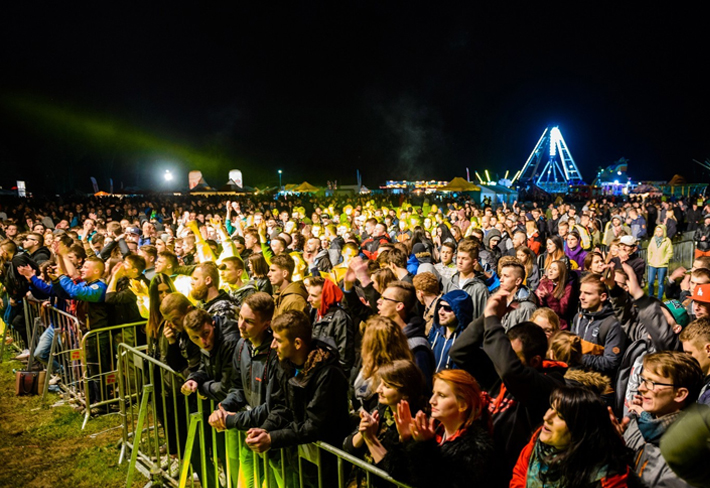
(96, 310)
(460, 303)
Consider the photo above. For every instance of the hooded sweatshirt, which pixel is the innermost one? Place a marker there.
(460, 303)
(659, 254)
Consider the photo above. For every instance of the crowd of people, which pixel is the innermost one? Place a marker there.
(513, 345)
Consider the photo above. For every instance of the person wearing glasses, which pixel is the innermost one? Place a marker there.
(453, 313)
(670, 382)
(33, 244)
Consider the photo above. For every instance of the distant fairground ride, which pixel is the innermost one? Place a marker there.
(550, 165)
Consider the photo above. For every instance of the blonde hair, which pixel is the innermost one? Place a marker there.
(382, 343)
(566, 347)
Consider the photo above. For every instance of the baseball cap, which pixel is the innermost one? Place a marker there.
(701, 293)
(678, 311)
(133, 230)
(628, 240)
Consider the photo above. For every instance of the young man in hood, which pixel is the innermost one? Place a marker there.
(33, 244)
(287, 295)
(603, 339)
(451, 316)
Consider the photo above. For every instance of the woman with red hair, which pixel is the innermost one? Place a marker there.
(453, 447)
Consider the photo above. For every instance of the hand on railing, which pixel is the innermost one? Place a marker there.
(189, 387)
(218, 418)
(258, 440)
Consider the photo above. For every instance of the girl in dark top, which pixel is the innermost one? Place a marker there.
(377, 434)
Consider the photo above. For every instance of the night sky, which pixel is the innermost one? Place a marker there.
(398, 90)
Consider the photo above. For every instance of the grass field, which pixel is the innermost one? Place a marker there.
(43, 446)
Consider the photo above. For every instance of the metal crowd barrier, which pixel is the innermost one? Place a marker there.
(98, 355)
(683, 255)
(31, 309)
(65, 355)
(166, 437)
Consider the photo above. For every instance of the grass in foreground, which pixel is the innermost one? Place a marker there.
(41, 446)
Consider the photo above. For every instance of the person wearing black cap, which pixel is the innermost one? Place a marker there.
(702, 238)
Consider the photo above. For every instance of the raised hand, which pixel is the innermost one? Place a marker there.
(369, 424)
(423, 427)
(403, 420)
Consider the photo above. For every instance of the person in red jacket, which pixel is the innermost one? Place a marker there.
(577, 445)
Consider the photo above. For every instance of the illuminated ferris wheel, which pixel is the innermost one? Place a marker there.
(550, 165)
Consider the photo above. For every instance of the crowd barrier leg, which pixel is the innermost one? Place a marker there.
(142, 412)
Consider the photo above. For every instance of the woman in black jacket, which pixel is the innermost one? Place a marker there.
(453, 447)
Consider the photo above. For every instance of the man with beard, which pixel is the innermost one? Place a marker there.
(217, 302)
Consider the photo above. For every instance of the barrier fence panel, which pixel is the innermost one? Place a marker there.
(167, 438)
(31, 308)
(35, 322)
(98, 354)
(64, 357)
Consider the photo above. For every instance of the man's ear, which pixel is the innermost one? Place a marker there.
(681, 394)
(535, 362)
(298, 343)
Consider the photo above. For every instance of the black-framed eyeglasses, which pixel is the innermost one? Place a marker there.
(651, 385)
(390, 299)
(446, 308)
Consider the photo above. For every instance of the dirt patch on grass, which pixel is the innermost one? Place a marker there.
(43, 446)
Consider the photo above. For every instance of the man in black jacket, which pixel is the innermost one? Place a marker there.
(315, 391)
(255, 387)
(213, 378)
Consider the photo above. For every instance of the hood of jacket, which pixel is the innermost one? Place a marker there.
(331, 296)
(323, 354)
(524, 295)
(460, 302)
(665, 231)
(606, 311)
(295, 288)
(487, 238)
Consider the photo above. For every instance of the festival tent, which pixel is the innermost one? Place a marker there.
(460, 185)
(504, 194)
(486, 193)
(306, 187)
